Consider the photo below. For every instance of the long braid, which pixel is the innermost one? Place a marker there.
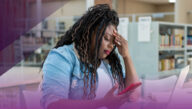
(116, 68)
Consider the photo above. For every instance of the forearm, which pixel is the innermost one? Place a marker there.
(76, 104)
(131, 77)
(131, 74)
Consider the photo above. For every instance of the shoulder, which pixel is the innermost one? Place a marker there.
(65, 51)
(60, 56)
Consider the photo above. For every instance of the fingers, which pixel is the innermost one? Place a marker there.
(116, 34)
(126, 96)
(131, 96)
(123, 98)
(118, 38)
(117, 42)
(134, 96)
(113, 89)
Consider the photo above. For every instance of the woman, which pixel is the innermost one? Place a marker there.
(83, 70)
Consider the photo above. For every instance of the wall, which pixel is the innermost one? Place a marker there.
(181, 9)
(132, 7)
(138, 7)
(68, 9)
(165, 7)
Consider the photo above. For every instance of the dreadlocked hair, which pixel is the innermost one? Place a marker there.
(94, 21)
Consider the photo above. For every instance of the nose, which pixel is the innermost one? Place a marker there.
(111, 45)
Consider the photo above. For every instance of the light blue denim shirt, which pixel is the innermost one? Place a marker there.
(62, 78)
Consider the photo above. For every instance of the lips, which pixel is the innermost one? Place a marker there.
(107, 52)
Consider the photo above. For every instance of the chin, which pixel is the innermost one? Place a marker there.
(103, 57)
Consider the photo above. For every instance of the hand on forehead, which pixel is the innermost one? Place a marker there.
(109, 31)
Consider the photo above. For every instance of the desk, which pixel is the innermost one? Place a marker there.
(181, 100)
(144, 104)
(188, 84)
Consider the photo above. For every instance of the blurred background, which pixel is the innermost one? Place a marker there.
(159, 33)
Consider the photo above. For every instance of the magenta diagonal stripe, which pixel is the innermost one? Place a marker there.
(18, 17)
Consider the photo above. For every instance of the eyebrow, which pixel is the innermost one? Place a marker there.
(109, 34)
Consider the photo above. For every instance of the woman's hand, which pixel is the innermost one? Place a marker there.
(131, 75)
(112, 101)
(121, 44)
(135, 95)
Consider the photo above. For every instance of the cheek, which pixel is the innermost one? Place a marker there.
(102, 47)
(104, 43)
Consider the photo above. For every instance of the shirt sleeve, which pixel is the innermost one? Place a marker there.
(56, 79)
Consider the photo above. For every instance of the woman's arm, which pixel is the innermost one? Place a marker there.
(131, 77)
(131, 74)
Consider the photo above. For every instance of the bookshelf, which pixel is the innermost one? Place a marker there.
(34, 48)
(169, 49)
(39, 40)
(189, 45)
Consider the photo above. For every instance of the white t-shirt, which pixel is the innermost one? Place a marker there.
(104, 82)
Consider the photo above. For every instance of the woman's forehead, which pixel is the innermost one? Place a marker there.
(110, 29)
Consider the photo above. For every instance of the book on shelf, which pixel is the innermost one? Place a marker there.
(167, 64)
(171, 62)
(167, 41)
(189, 40)
(190, 32)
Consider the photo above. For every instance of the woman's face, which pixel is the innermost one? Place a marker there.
(107, 43)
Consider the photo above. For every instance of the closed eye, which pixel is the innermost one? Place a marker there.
(106, 39)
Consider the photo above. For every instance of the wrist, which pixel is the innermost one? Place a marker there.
(126, 56)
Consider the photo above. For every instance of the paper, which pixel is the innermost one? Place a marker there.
(123, 27)
(144, 26)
